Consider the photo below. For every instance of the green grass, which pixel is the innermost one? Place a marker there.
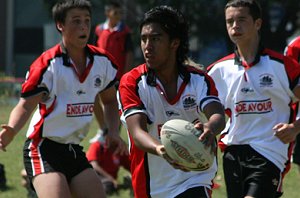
(13, 162)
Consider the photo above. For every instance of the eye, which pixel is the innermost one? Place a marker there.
(143, 39)
(156, 38)
(229, 22)
(87, 21)
(76, 21)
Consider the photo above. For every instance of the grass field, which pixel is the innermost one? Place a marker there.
(12, 160)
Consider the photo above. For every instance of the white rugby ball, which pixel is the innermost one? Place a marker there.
(180, 139)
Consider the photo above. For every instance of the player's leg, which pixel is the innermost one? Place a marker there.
(87, 185)
(52, 185)
(262, 177)
(296, 153)
(232, 172)
(43, 168)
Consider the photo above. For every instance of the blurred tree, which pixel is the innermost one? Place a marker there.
(207, 22)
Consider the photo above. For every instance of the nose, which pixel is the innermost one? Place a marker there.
(148, 44)
(84, 26)
(235, 24)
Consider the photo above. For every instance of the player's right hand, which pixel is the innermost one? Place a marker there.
(6, 136)
(161, 151)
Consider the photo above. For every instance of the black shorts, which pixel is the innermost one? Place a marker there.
(196, 192)
(44, 156)
(296, 151)
(248, 173)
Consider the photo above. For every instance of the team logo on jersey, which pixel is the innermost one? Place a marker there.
(266, 80)
(80, 109)
(253, 107)
(80, 92)
(97, 81)
(172, 113)
(189, 102)
(246, 90)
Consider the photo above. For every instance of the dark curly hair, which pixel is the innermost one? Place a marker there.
(174, 24)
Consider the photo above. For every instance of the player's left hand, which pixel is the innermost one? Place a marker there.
(285, 132)
(118, 142)
(207, 137)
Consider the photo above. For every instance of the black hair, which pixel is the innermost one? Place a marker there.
(60, 9)
(254, 7)
(174, 24)
(112, 5)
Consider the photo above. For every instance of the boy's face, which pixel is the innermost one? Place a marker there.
(76, 28)
(114, 14)
(240, 25)
(157, 48)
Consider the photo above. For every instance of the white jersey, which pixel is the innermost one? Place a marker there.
(141, 92)
(257, 97)
(66, 112)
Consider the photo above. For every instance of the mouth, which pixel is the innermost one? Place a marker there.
(236, 34)
(149, 55)
(83, 37)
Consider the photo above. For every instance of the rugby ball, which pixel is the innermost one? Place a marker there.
(180, 139)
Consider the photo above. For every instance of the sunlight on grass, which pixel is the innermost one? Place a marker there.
(13, 162)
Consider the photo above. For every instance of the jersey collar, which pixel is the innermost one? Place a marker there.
(238, 59)
(118, 27)
(151, 76)
(66, 58)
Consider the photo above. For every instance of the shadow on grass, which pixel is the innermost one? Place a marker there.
(6, 188)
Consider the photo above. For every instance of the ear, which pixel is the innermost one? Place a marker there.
(59, 26)
(175, 43)
(258, 24)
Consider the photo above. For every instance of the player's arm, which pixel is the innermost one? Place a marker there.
(214, 112)
(288, 132)
(111, 118)
(98, 111)
(103, 173)
(137, 126)
(17, 119)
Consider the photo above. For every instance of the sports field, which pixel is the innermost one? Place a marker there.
(12, 160)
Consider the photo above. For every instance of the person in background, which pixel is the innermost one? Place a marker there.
(256, 86)
(107, 164)
(114, 36)
(61, 87)
(292, 50)
(161, 89)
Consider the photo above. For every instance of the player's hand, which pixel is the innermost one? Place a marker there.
(6, 136)
(161, 151)
(115, 139)
(207, 137)
(285, 132)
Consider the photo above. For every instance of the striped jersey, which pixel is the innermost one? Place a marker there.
(64, 115)
(257, 97)
(141, 92)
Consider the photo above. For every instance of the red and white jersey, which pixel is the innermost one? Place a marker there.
(293, 49)
(141, 92)
(257, 97)
(66, 112)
